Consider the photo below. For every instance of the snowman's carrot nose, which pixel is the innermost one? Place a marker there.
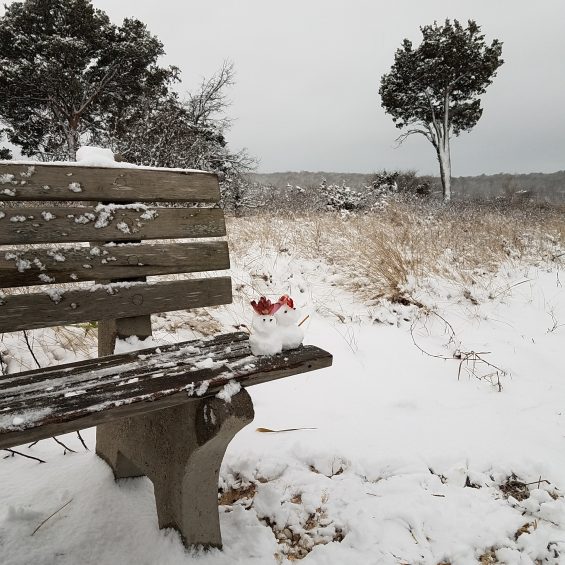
(304, 320)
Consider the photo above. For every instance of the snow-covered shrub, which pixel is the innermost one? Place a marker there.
(239, 194)
(401, 182)
(341, 197)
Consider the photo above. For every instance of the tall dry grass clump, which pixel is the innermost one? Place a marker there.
(380, 252)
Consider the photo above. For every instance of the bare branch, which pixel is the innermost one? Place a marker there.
(103, 82)
(82, 440)
(31, 349)
(210, 99)
(402, 137)
(64, 446)
(14, 452)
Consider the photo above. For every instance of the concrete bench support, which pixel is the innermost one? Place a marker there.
(181, 450)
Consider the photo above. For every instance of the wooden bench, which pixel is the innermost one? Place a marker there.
(157, 411)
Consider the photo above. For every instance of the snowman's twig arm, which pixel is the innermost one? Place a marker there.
(304, 320)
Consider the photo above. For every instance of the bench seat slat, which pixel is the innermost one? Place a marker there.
(12, 387)
(107, 302)
(43, 266)
(34, 181)
(51, 224)
(39, 406)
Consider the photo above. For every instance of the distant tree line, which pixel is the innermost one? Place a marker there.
(360, 192)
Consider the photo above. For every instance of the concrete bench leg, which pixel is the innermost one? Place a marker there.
(180, 449)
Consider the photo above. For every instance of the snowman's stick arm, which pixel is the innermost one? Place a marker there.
(304, 320)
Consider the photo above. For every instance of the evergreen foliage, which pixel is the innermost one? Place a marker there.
(69, 76)
(66, 70)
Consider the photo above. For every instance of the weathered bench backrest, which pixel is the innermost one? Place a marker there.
(98, 206)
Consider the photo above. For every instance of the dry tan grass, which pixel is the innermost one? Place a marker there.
(381, 251)
(377, 254)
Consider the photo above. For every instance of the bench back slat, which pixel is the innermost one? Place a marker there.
(107, 223)
(41, 266)
(33, 181)
(106, 302)
(107, 213)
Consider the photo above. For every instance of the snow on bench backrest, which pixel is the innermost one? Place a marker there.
(89, 216)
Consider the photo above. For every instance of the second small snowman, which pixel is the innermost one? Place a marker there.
(287, 317)
(265, 338)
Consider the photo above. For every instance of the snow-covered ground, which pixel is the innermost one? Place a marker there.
(405, 451)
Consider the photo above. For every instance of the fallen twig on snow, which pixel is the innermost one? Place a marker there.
(30, 348)
(82, 441)
(507, 288)
(14, 452)
(64, 446)
(465, 358)
(51, 516)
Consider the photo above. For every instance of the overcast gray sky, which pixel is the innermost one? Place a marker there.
(308, 73)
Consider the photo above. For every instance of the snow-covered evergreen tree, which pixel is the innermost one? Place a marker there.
(66, 71)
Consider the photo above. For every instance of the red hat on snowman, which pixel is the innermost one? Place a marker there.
(286, 300)
(265, 307)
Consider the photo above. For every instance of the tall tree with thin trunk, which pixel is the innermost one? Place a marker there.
(434, 89)
(65, 70)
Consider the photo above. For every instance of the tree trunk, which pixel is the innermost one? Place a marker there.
(72, 137)
(444, 158)
(72, 144)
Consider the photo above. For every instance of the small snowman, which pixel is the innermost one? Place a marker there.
(287, 317)
(265, 338)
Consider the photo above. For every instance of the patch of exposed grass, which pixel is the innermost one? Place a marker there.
(381, 251)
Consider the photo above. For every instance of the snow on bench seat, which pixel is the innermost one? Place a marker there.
(55, 400)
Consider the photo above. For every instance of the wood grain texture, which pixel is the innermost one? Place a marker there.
(39, 404)
(35, 181)
(39, 310)
(44, 266)
(107, 223)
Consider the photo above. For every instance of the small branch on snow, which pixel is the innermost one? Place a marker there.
(31, 349)
(64, 446)
(51, 516)
(82, 441)
(538, 482)
(507, 288)
(467, 359)
(14, 452)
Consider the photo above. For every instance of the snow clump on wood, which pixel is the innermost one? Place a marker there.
(231, 388)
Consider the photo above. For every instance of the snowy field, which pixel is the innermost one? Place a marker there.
(437, 437)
